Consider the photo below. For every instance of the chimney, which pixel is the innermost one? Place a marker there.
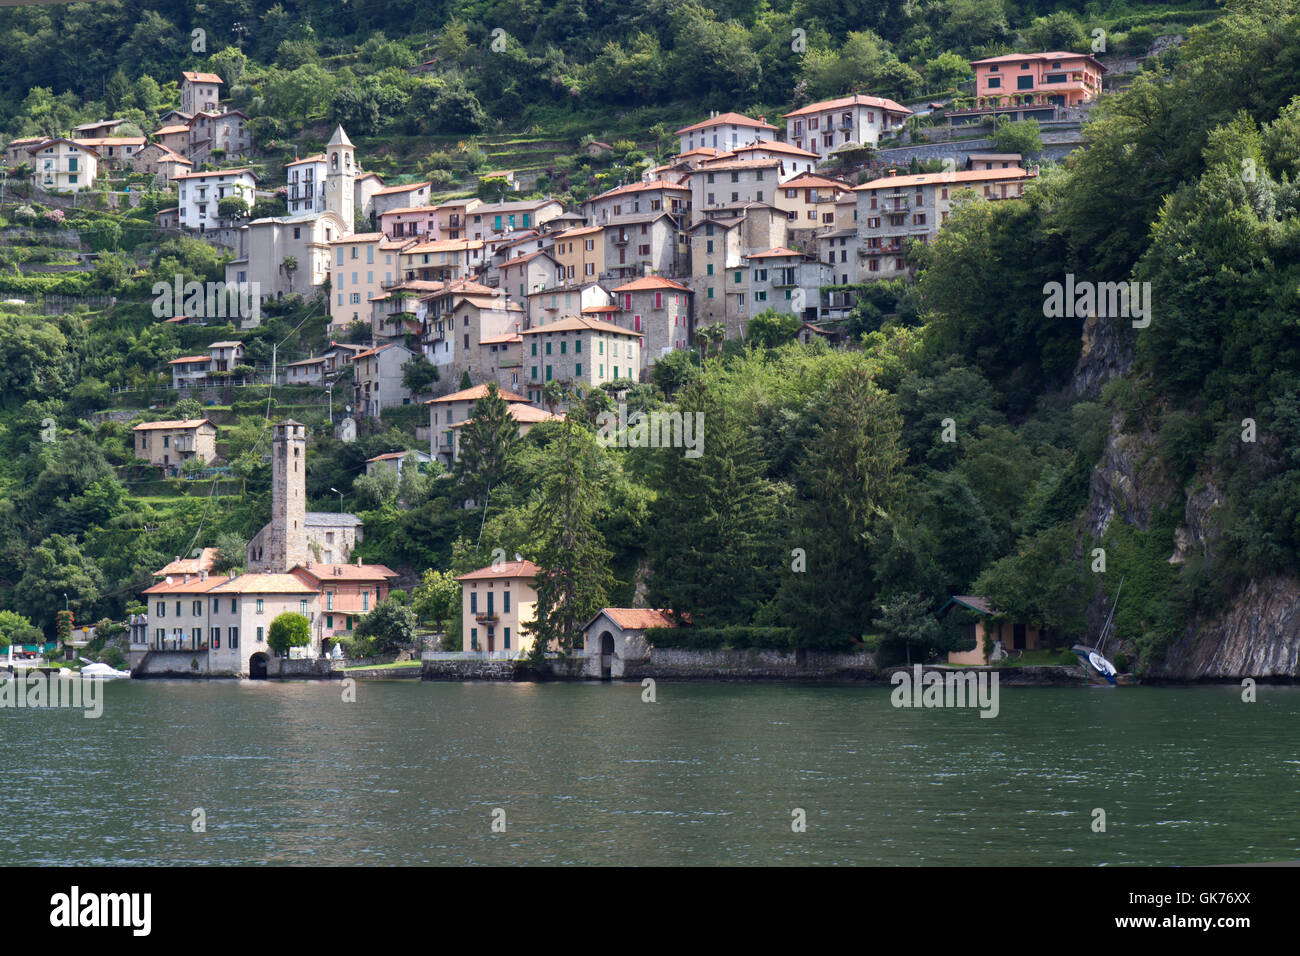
(358, 560)
(893, 171)
(203, 575)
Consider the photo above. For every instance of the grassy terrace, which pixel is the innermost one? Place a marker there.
(382, 667)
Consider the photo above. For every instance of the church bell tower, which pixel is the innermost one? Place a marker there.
(340, 177)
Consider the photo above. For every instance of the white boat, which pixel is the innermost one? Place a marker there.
(103, 671)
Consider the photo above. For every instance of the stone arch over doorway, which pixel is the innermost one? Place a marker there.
(606, 655)
(257, 666)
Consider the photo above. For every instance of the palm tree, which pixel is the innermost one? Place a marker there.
(553, 394)
(708, 334)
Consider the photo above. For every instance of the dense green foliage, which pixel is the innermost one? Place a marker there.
(288, 630)
(838, 494)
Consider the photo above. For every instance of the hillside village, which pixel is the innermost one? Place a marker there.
(741, 221)
(428, 365)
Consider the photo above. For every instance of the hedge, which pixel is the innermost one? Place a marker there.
(735, 637)
(1153, 19)
(67, 284)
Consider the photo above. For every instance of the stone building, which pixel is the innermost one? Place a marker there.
(295, 536)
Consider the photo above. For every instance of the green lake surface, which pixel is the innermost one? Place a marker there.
(416, 773)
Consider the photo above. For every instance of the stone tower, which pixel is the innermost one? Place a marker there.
(286, 545)
(340, 177)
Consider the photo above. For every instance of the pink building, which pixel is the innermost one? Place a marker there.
(1031, 85)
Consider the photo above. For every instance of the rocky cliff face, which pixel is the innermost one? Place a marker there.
(1258, 635)
(1105, 354)
(1129, 482)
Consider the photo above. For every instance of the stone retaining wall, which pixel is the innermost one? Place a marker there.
(382, 673)
(467, 670)
(675, 664)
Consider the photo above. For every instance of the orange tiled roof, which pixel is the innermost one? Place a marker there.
(346, 572)
(508, 569)
(189, 565)
(725, 119)
(650, 282)
(578, 323)
(524, 414)
(195, 585)
(266, 584)
(932, 179)
(408, 187)
(474, 394)
(639, 618)
(177, 423)
(858, 99)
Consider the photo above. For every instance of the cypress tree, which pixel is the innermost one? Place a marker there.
(574, 581)
(487, 445)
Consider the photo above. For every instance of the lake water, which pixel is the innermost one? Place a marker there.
(412, 773)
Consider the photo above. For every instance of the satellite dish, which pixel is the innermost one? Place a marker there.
(348, 409)
(518, 556)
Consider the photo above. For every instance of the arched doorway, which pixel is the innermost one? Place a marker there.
(257, 667)
(606, 654)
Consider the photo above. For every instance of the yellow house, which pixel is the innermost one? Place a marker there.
(497, 604)
(580, 253)
(809, 201)
(994, 637)
(362, 266)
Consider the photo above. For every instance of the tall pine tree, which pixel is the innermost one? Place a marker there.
(487, 444)
(848, 480)
(574, 581)
(715, 549)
